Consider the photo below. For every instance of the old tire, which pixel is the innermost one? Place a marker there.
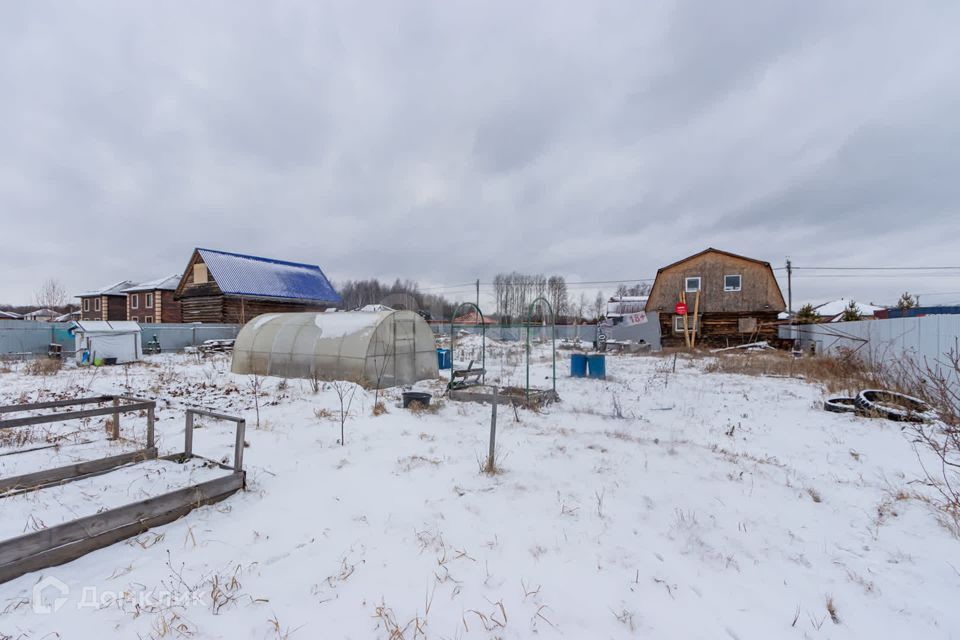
(894, 406)
(840, 405)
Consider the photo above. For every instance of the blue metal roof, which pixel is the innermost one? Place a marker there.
(242, 275)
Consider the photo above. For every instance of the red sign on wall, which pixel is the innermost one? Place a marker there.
(681, 309)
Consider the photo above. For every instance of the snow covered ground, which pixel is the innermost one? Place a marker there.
(653, 504)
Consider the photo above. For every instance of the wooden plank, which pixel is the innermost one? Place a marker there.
(27, 545)
(134, 522)
(50, 405)
(73, 415)
(69, 473)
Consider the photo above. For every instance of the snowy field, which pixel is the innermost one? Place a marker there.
(654, 504)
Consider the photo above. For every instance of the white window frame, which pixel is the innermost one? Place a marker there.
(134, 300)
(678, 323)
(148, 320)
(135, 318)
(96, 304)
(86, 304)
(686, 284)
(739, 278)
(148, 302)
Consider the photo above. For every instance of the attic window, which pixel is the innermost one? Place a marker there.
(86, 304)
(731, 283)
(691, 284)
(200, 273)
(96, 304)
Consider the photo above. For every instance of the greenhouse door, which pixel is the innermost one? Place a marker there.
(405, 349)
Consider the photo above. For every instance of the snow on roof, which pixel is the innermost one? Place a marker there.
(102, 326)
(10, 315)
(167, 283)
(375, 307)
(67, 317)
(243, 275)
(337, 325)
(837, 307)
(42, 312)
(115, 289)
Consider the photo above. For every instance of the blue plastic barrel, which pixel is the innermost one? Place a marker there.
(578, 365)
(597, 363)
(444, 359)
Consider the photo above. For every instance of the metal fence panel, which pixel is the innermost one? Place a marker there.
(28, 337)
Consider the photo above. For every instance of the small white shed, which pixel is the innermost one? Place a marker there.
(99, 340)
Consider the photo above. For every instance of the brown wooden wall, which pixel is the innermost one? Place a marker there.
(759, 288)
(116, 307)
(169, 307)
(235, 310)
(722, 329)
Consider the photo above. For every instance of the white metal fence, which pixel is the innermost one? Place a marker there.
(34, 338)
(926, 340)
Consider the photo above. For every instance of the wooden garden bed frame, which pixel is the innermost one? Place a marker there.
(48, 477)
(517, 396)
(68, 541)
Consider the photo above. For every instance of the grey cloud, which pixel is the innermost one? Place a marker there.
(446, 142)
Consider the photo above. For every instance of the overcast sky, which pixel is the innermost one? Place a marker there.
(448, 141)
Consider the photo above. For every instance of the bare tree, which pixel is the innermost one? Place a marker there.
(599, 305)
(345, 392)
(254, 384)
(51, 294)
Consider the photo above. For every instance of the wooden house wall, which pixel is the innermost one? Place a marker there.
(168, 309)
(759, 289)
(115, 306)
(722, 329)
(205, 302)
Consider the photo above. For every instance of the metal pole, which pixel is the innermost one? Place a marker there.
(478, 292)
(790, 289)
(493, 430)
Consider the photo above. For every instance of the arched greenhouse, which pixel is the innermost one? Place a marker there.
(384, 348)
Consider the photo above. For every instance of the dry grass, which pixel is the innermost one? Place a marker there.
(379, 409)
(43, 367)
(832, 610)
(419, 408)
(838, 375)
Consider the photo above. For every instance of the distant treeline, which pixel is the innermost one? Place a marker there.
(402, 294)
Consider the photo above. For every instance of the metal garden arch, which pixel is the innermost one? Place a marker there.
(453, 338)
(553, 340)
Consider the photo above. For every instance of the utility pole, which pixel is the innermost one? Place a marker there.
(790, 289)
(478, 292)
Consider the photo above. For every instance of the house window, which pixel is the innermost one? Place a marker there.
(86, 304)
(148, 320)
(731, 283)
(135, 319)
(691, 325)
(96, 304)
(691, 284)
(135, 301)
(149, 301)
(199, 273)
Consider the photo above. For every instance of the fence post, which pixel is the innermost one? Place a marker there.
(116, 419)
(150, 428)
(238, 448)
